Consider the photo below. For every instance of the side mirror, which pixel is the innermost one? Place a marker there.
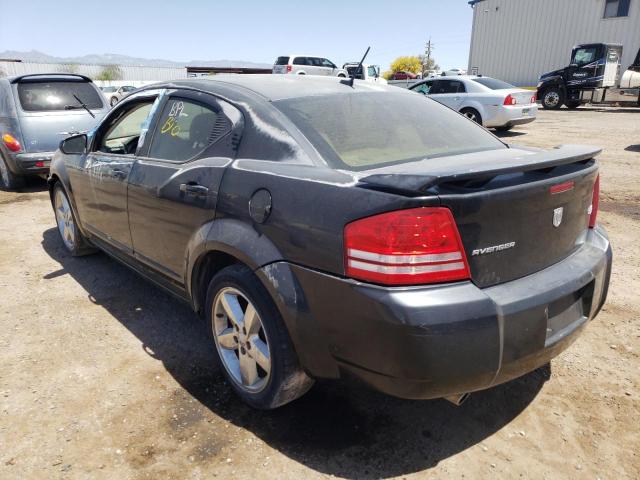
(76, 145)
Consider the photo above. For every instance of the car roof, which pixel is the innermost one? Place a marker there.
(273, 87)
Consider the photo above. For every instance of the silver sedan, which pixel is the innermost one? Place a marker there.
(490, 102)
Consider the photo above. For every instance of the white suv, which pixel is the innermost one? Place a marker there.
(307, 65)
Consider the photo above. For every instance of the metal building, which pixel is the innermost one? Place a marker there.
(517, 40)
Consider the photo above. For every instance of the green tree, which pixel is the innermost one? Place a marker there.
(68, 68)
(411, 64)
(110, 72)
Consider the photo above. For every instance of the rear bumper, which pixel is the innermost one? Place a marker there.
(434, 341)
(30, 163)
(506, 115)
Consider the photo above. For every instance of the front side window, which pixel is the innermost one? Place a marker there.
(372, 72)
(185, 129)
(584, 56)
(327, 63)
(366, 130)
(122, 135)
(423, 88)
(55, 95)
(616, 8)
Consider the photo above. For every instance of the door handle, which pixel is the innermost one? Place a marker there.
(194, 189)
(120, 174)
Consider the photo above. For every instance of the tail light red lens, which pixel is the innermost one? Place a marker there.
(11, 142)
(289, 68)
(534, 99)
(405, 247)
(510, 100)
(595, 201)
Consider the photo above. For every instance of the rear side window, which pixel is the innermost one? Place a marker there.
(57, 95)
(366, 130)
(448, 86)
(492, 83)
(282, 61)
(185, 129)
(301, 61)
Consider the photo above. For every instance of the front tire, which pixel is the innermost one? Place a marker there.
(552, 99)
(251, 340)
(73, 240)
(8, 179)
(472, 114)
(113, 102)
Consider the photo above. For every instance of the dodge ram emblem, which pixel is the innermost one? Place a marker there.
(557, 216)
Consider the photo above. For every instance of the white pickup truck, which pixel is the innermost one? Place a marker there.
(369, 73)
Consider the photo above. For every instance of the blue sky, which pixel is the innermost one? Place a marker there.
(249, 30)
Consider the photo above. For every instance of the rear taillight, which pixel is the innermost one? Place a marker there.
(534, 99)
(11, 142)
(405, 247)
(289, 68)
(510, 100)
(595, 201)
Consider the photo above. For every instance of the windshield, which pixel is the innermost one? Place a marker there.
(56, 95)
(367, 130)
(492, 83)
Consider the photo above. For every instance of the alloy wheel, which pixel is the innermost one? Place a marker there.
(64, 218)
(471, 115)
(241, 340)
(551, 99)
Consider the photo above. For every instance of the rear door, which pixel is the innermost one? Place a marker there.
(49, 112)
(280, 65)
(173, 187)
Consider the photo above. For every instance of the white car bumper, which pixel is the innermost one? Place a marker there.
(510, 115)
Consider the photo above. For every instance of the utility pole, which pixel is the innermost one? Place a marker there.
(429, 47)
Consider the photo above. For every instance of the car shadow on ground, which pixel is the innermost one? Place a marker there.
(508, 133)
(633, 148)
(338, 429)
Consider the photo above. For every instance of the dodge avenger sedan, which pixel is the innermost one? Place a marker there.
(329, 230)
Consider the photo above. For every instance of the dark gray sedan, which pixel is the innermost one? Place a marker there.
(329, 230)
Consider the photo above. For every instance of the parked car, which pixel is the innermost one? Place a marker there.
(368, 72)
(485, 100)
(115, 94)
(440, 261)
(453, 72)
(307, 65)
(404, 76)
(36, 113)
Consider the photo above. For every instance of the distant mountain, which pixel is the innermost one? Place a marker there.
(116, 59)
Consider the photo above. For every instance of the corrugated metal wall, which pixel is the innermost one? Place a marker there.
(127, 72)
(517, 40)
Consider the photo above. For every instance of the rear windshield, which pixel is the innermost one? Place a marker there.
(366, 130)
(492, 83)
(282, 61)
(57, 95)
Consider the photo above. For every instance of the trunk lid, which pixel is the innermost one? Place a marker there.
(518, 210)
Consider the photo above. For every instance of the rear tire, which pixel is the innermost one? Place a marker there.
(255, 351)
(552, 99)
(74, 242)
(113, 102)
(472, 114)
(8, 179)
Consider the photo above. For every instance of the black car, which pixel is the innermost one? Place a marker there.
(326, 230)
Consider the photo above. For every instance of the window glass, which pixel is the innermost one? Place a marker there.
(423, 88)
(584, 56)
(616, 8)
(492, 83)
(300, 61)
(326, 63)
(108, 89)
(448, 86)
(57, 95)
(128, 89)
(371, 71)
(185, 129)
(122, 136)
(366, 130)
(282, 61)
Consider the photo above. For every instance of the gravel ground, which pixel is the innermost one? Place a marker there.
(105, 376)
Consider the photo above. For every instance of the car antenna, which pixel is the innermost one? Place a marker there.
(353, 77)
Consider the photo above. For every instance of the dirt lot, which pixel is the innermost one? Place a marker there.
(105, 376)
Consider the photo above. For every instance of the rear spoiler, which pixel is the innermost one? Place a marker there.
(36, 77)
(462, 169)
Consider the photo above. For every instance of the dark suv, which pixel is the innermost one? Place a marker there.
(327, 230)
